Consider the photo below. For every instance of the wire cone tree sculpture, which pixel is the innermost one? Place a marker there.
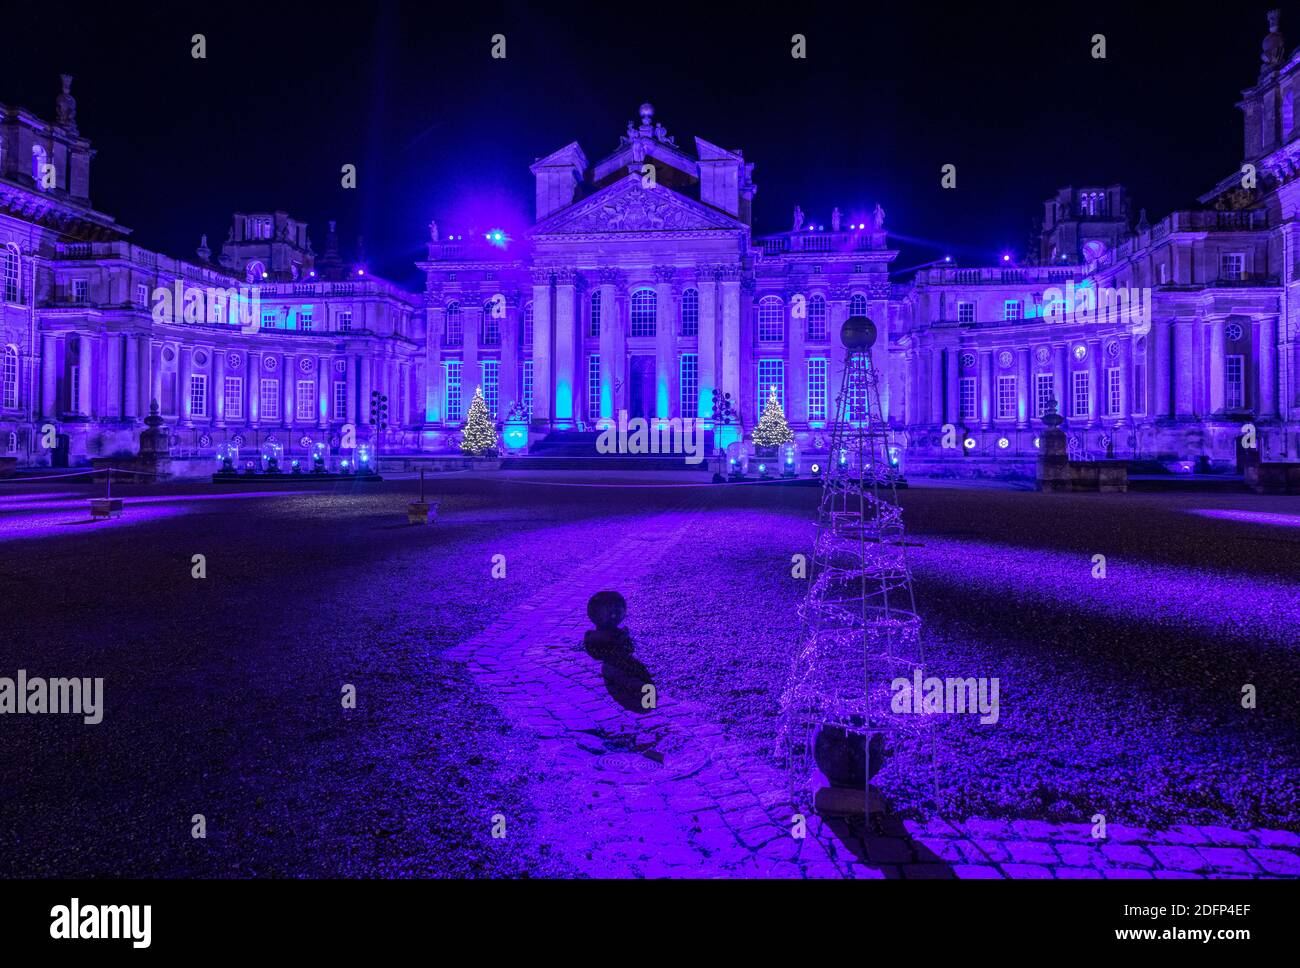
(859, 627)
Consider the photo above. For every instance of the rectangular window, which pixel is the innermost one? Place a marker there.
(234, 393)
(1112, 391)
(74, 388)
(594, 331)
(691, 313)
(491, 328)
(1044, 392)
(306, 320)
(593, 386)
(1232, 266)
(141, 294)
(270, 319)
(817, 330)
(817, 405)
(305, 408)
(527, 383)
(453, 402)
(1006, 397)
(771, 373)
(340, 399)
(345, 321)
(198, 395)
(966, 397)
(10, 379)
(1079, 393)
(1012, 309)
(491, 384)
(9, 264)
(690, 385)
(1234, 383)
(270, 399)
(80, 288)
(965, 312)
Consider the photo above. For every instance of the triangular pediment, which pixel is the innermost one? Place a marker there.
(626, 206)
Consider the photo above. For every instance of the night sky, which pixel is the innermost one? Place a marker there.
(409, 94)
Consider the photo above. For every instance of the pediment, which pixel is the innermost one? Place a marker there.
(626, 206)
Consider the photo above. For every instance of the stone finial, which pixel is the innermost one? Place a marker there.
(66, 105)
(203, 252)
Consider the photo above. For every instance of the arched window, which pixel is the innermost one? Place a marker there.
(691, 312)
(771, 320)
(39, 160)
(11, 273)
(817, 318)
(9, 378)
(454, 332)
(528, 323)
(255, 271)
(595, 313)
(645, 305)
(857, 305)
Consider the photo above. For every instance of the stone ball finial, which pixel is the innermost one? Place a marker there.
(858, 333)
(647, 112)
(607, 610)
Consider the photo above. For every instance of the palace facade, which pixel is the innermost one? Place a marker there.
(642, 288)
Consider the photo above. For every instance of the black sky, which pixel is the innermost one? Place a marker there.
(437, 128)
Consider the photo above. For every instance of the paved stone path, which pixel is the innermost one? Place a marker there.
(717, 808)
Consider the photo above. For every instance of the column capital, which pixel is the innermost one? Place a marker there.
(611, 276)
(565, 276)
(541, 277)
(664, 274)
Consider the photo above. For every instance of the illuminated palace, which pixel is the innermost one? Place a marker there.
(642, 288)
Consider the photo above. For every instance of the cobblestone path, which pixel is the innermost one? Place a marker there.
(717, 808)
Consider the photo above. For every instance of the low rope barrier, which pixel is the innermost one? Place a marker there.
(61, 477)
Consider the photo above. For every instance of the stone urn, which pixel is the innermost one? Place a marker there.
(842, 756)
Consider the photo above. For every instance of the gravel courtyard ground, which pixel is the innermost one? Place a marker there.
(1119, 695)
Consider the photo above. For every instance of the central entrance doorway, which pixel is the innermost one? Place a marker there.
(641, 387)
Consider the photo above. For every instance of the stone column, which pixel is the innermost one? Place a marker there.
(910, 390)
(1267, 367)
(184, 368)
(1061, 379)
(365, 367)
(112, 375)
(51, 350)
(350, 375)
(708, 341)
(938, 366)
(609, 323)
(567, 346)
(1160, 367)
(289, 377)
(1096, 389)
(1217, 357)
(155, 376)
(1125, 377)
(986, 389)
(729, 283)
(543, 390)
(324, 390)
(1024, 388)
(508, 373)
(471, 374)
(796, 401)
(434, 374)
(664, 340)
(952, 386)
(86, 360)
(218, 403)
(131, 396)
(1182, 371)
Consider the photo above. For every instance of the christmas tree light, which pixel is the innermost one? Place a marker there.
(772, 430)
(480, 434)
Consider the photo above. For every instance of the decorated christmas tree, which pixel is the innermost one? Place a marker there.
(480, 434)
(772, 429)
